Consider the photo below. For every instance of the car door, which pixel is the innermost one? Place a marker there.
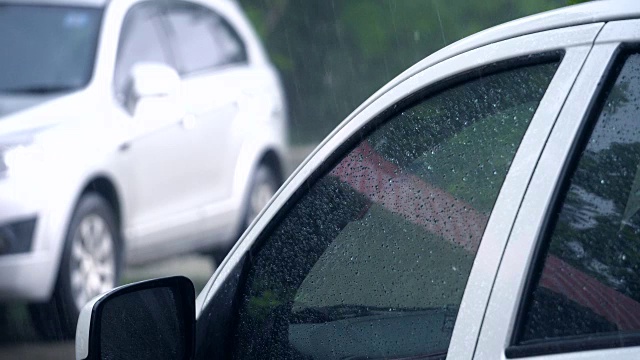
(158, 151)
(385, 243)
(213, 63)
(571, 263)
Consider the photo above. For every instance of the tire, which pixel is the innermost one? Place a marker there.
(263, 186)
(90, 265)
(4, 317)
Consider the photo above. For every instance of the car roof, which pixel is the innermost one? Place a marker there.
(586, 13)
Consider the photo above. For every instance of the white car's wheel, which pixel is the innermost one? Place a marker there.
(263, 186)
(90, 266)
(93, 260)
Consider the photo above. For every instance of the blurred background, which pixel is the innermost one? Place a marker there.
(331, 56)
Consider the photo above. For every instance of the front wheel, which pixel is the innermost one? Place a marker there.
(90, 266)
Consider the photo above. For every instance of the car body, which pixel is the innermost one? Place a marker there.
(166, 121)
(482, 205)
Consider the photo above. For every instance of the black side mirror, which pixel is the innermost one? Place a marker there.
(152, 319)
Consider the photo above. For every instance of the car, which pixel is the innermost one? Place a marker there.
(131, 131)
(482, 205)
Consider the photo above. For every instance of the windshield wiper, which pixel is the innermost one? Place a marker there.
(40, 89)
(313, 314)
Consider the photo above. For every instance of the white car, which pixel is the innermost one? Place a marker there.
(482, 205)
(130, 131)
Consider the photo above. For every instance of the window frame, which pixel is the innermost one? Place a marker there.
(434, 77)
(533, 220)
(550, 220)
(414, 99)
(175, 47)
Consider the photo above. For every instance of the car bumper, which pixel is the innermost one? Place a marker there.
(27, 276)
(28, 258)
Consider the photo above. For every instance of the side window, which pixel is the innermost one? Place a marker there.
(228, 42)
(202, 39)
(373, 260)
(587, 286)
(141, 40)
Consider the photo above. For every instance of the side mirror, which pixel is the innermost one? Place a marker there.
(151, 80)
(152, 319)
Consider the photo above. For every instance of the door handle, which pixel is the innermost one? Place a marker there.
(188, 121)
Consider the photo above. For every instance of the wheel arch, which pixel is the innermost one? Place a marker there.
(102, 185)
(274, 161)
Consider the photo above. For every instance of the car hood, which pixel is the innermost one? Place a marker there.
(26, 115)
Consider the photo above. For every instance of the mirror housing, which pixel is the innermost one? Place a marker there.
(153, 319)
(150, 80)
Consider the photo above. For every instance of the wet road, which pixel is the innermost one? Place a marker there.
(18, 339)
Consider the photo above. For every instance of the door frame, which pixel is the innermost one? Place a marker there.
(519, 256)
(575, 42)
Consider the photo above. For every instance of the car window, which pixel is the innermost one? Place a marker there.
(372, 261)
(47, 49)
(141, 40)
(202, 39)
(586, 289)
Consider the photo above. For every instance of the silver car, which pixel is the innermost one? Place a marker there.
(483, 204)
(130, 131)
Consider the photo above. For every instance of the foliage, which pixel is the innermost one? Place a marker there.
(332, 55)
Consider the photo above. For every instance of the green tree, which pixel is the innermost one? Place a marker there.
(332, 55)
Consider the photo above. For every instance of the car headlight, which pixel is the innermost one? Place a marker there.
(16, 157)
(3, 165)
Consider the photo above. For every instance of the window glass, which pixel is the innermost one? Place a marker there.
(46, 48)
(202, 39)
(589, 282)
(141, 41)
(228, 44)
(373, 260)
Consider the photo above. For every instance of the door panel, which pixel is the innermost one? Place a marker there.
(218, 102)
(213, 62)
(158, 148)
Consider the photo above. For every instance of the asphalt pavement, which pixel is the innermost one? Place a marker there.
(19, 340)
